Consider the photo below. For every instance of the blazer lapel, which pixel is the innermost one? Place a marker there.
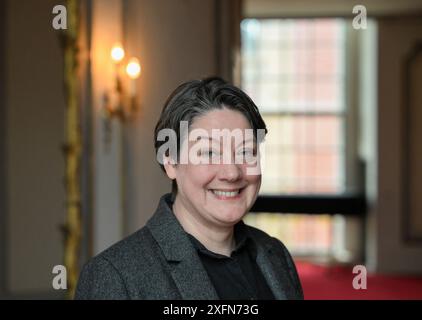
(192, 279)
(186, 268)
(275, 273)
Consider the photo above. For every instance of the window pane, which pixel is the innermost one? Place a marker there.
(294, 64)
(303, 154)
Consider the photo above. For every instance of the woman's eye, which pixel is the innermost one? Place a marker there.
(208, 153)
(247, 152)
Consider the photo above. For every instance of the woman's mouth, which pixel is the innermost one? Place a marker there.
(227, 194)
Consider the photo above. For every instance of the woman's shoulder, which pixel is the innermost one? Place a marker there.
(128, 252)
(121, 269)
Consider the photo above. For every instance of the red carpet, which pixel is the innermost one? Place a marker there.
(334, 283)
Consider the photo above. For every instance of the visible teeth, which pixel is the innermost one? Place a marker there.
(226, 193)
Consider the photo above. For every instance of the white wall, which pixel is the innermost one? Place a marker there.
(107, 216)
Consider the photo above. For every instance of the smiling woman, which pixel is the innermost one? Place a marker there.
(196, 246)
(217, 195)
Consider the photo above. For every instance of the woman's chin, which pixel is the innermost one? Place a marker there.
(229, 218)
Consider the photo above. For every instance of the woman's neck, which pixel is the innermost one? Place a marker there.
(218, 239)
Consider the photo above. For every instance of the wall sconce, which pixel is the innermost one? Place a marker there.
(121, 102)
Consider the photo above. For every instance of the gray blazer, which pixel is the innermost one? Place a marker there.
(160, 262)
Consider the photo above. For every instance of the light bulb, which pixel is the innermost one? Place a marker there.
(117, 53)
(133, 68)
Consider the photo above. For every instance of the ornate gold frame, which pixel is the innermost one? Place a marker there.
(72, 147)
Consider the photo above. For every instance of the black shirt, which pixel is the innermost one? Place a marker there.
(238, 276)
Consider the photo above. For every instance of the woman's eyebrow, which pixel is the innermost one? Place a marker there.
(216, 140)
(204, 137)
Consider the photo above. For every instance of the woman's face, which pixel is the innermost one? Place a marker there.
(221, 192)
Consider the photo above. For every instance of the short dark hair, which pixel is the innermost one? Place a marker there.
(197, 97)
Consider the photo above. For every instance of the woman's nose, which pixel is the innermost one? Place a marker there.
(230, 172)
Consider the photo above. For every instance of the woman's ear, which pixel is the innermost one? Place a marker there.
(170, 167)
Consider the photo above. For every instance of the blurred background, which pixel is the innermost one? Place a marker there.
(82, 89)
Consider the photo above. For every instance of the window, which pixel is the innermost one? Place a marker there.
(294, 70)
